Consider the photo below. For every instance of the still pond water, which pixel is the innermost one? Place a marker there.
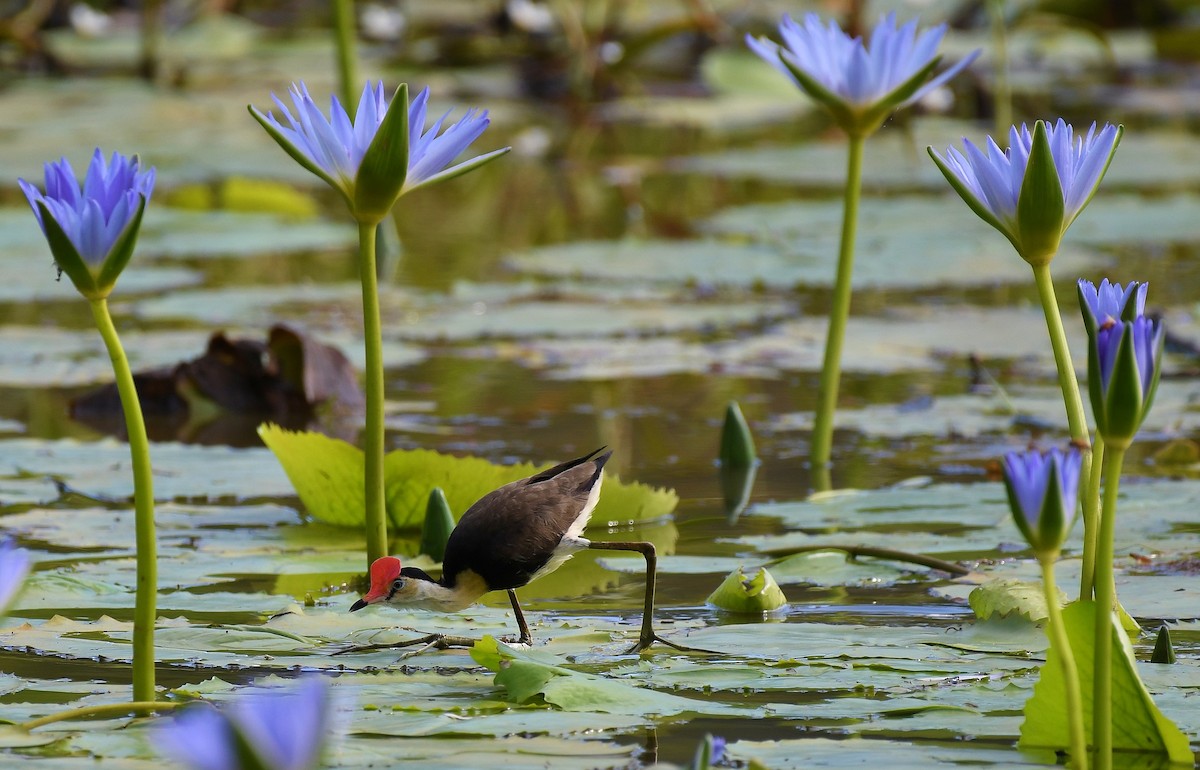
(616, 280)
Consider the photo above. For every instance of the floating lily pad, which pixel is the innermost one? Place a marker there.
(101, 469)
(179, 233)
(895, 159)
(585, 319)
(1175, 412)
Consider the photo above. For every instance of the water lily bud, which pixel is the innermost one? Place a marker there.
(439, 523)
(1163, 651)
(1043, 492)
(92, 226)
(737, 443)
(1110, 301)
(1124, 364)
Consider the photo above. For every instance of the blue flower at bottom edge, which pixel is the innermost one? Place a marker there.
(92, 226)
(1035, 189)
(1124, 364)
(1043, 492)
(379, 155)
(14, 566)
(262, 730)
(1110, 301)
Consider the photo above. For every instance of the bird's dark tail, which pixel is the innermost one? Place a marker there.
(550, 473)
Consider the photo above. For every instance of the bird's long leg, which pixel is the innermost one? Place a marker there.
(526, 637)
(647, 637)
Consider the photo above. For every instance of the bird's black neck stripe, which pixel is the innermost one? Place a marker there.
(419, 574)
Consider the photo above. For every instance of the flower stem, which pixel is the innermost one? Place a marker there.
(1069, 384)
(1105, 600)
(375, 516)
(1076, 420)
(839, 312)
(104, 710)
(143, 505)
(347, 61)
(1091, 525)
(1001, 91)
(1058, 634)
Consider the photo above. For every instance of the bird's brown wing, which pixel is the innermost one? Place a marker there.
(512, 532)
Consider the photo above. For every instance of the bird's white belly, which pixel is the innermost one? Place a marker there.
(566, 548)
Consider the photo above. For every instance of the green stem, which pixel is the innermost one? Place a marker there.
(839, 312)
(879, 553)
(143, 505)
(1105, 600)
(376, 516)
(347, 62)
(1001, 92)
(1091, 525)
(104, 710)
(1062, 356)
(151, 39)
(1058, 634)
(1069, 384)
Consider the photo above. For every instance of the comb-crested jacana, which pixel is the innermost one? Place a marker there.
(511, 536)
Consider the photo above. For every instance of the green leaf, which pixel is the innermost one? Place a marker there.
(384, 166)
(1140, 726)
(1004, 596)
(327, 474)
(754, 595)
(524, 676)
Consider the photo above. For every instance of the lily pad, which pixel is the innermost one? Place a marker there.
(183, 234)
(100, 469)
(895, 160)
(328, 476)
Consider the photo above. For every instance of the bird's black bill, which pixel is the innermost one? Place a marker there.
(358, 605)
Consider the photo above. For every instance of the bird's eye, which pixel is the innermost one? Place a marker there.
(397, 584)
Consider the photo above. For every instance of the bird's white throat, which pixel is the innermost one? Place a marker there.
(427, 595)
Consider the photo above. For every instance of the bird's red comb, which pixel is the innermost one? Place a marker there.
(384, 570)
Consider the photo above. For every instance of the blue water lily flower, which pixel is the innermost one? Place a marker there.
(14, 566)
(860, 83)
(262, 730)
(92, 226)
(1124, 364)
(1035, 189)
(1110, 301)
(380, 154)
(1043, 492)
